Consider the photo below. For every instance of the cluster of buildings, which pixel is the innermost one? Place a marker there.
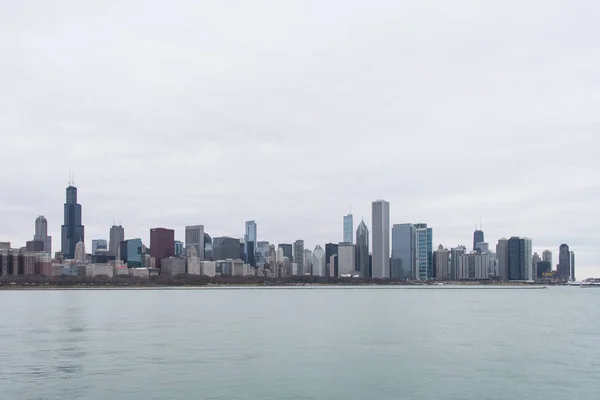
(400, 251)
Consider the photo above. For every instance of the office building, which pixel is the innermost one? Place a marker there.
(172, 266)
(307, 260)
(543, 268)
(299, 256)
(502, 256)
(179, 249)
(403, 251)
(318, 264)
(116, 236)
(225, 247)
(131, 253)
(527, 247)
(547, 256)
(362, 250)
(330, 250)
(535, 260)
(193, 263)
(208, 248)
(288, 250)
(381, 239)
(346, 260)
(250, 241)
(262, 252)
(99, 244)
(482, 247)
(424, 252)
(35, 246)
(572, 278)
(478, 237)
(455, 256)
(72, 231)
(194, 236)
(162, 245)
(41, 233)
(348, 229)
(563, 270)
(442, 263)
(473, 266)
(80, 251)
(516, 259)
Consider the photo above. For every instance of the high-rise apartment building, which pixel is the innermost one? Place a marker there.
(381, 239)
(502, 256)
(455, 256)
(299, 256)
(346, 259)
(194, 236)
(517, 259)
(362, 250)
(424, 252)
(442, 263)
(318, 264)
(527, 247)
(41, 233)
(572, 277)
(162, 244)
(250, 241)
(348, 228)
(116, 236)
(563, 269)
(403, 251)
(72, 231)
(547, 256)
(478, 237)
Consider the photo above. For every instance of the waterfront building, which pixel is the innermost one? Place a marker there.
(547, 256)
(381, 239)
(193, 266)
(208, 247)
(80, 251)
(362, 250)
(473, 266)
(299, 257)
(563, 269)
(455, 256)
(330, 250)
(535, 260)
(543, 268)
(502, 256)
(179, 248)
(116, 236)
(162, 245)
(442, 263)
(403, 251)
(516, 259)
(250, 243)
(527, 247)
(131, 253)
(346, 260)
(262, 252)
(208, 268)
(424, 252)
(41, 233)
(572, 277)
(348, 229)
(288, 250)
(318, 264)
(194, 236)
(307, 261)
(478, 237)
(72, 231)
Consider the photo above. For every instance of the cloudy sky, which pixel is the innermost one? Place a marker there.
(291, 112)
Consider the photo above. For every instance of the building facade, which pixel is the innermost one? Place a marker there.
(41, 233)
(403, 251)
(116, 236)
(563, 270)
(194, 236)
(424, 252)
(502, 256)
(442, 263)
(225, 247)
(99, 244)
(288, 250)
(478, 237)
(299, 256)
(318, 264)
(348, 229)
(72, 231)
(362, 250)
(516, 259)
(381, 239)
(346, 259)
(162, 244)
(250, 243)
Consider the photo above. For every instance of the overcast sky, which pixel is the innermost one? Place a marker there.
(291, 112)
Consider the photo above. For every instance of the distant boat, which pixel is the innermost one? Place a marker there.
(590, 284)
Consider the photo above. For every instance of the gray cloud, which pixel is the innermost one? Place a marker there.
(291, 112)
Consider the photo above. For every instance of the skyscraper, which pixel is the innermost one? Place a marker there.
(208, 247)
(478, 237)
(456, 254)
(330, 250)
(307, 260)
(99, 244)
(535, 260)
(403, 251)
(346, 259)
(299, 256)
(194, 236)
(80, 251)
(72, 231)
(572, 266)
(442, 263)
(381, 239)
(250, 236)
(162, 244)
(348, 228)
(528, 254)
(116, 236)
(502, 255)
(288, 250)
(563, 269)
(424, 252)
(362, 250)
(318, 264)
(179, 249)
(547, 256)
(225, 247)
(516, 258)
(41, 233)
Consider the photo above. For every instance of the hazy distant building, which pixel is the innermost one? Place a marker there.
(424, 252)
(527, 246)
(403, 251)
(72, 231)
(307, 261)
(318, 264)
(543, 267)
(116, 236)
(478, 237)
(547, 256)
(179, 248)
(299, 256)
(193, 266)
(348, 229)
(535, 260)
(442, 263)
(35, 246)
(208, 248)
(194, 236)
(172, 266)
(99, 244)
(131, 253)
(346, 259)
(330, 250)
(502, 256)
(563, 270)
(362, 250)
(41, 233)
(288, 250)
(381, 239)
(482, 247)
(162, 245)
(250, 243)
(473, 266)
(516, 259)
(262, 252)
(455, 256)
(80, 251)
(333, 265)
(572, 266)
(225, 247)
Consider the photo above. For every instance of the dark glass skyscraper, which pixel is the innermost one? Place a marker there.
(72, 231)
(362, 250)
(516, 258)
(288, 250)
(564, 262)
(478, 237)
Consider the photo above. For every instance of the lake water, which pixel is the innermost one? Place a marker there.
(305, 343)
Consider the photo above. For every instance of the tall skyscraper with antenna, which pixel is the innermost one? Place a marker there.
(348, 228)
(478, 236)
(72, 231)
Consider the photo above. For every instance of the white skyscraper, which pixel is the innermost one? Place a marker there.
(381, 239)
(80, 251)
(346, 259)
(41, 233)
(348, 229)
(307, 260)
(318, 264)
(194, 236)
(528, 259)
